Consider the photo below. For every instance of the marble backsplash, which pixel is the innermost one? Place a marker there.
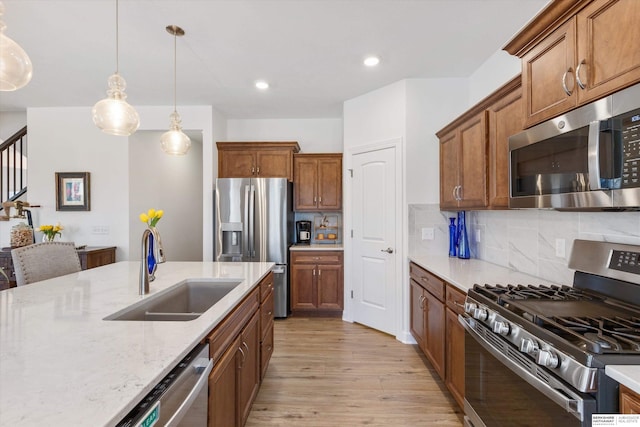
(523, 240)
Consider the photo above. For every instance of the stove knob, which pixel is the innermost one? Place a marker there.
(501, 328)
(469, 307)
(548, 359)
(480, 314)
(528, 346)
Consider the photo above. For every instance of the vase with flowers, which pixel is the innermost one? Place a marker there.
(151, 218)
(49, 232)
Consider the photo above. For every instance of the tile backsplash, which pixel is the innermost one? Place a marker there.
(523, 240)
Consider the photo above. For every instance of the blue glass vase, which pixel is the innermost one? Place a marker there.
(453, 238)
(151, 259)
(463, 239)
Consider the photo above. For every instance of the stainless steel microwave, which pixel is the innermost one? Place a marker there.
(587, 159)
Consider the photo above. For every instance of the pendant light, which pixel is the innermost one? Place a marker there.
(174, 141)
(15, 66)
(113, 114)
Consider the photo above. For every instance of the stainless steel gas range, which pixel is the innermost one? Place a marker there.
(535, 355)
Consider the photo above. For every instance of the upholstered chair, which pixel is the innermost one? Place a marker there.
(43, 261)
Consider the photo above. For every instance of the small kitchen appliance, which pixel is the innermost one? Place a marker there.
(303, 231)
(535, 355)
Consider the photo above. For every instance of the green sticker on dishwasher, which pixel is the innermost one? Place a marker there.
(150, 417)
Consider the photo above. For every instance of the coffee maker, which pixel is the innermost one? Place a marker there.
(303, 232)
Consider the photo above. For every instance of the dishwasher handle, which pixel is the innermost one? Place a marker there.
(193, 394)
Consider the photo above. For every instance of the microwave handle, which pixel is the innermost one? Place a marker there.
(593, 156)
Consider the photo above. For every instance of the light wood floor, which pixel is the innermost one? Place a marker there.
(326, 372)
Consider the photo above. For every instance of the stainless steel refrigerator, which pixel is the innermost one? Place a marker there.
(254, 222)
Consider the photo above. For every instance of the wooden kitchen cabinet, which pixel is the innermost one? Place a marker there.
(317, 284)
(629, 401)
(317, 182)
(575, 52)
(235, 347)
(474, 151)
(505, 118)
(463, 165)
(454, 377)
(256, 159)
(431, 309)
(435, 306)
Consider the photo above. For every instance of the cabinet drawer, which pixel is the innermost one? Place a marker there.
(266, 350)
(266, 286)
(455, 299)
(316, 257)
(266, 314)
(432, 283)
(224, 334)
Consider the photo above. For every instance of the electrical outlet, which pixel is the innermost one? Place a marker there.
(560, 248)
(477, 236)
(428, 234)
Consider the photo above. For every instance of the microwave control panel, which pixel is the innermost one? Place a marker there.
(631, 149)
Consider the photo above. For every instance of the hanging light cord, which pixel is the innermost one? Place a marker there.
(117, 53)
(175, 72)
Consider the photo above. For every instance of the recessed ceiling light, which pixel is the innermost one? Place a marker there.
(261, 84)
(371, 61)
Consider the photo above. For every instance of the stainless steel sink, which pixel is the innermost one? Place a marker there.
(184, 301)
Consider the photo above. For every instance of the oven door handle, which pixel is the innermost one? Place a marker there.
(593, 156)
(557, 392)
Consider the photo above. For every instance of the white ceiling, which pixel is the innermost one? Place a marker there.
(310, 51)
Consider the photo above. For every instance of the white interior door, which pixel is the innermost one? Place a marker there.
(374, 213)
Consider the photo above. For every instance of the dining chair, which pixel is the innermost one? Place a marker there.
(43, 261)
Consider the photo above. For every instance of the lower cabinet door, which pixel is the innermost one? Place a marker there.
(330, 287)
(222, 389)
(266, 350)
(302, 287)
(455, 357)
(417, 313)
(249, 368)
(434, 345)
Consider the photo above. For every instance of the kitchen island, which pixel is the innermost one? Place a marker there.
(62, 364)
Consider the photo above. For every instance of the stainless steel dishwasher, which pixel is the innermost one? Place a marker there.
(180, 399)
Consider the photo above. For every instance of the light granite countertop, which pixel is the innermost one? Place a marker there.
(62, 364)
(464, 273)
(318, 247)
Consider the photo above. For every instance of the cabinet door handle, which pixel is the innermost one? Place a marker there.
(320, 199)
(460, 192)
(453, 193)
(258, 170)
(243, 358)
(582, 85)
(253, 170)
(244, 344)
(314, 272)
(421, 299)
(564, 82)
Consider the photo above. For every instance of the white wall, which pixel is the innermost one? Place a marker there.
(171, 183)
(498, 69)
(11, 122)
(313, 135)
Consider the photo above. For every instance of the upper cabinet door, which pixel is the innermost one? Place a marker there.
(274, 163)
(330, 183)
(548, 75)
(304, 180)
(449, 162)
(608, 52)
(236, 164)
(473, 174)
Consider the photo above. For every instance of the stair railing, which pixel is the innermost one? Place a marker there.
(13, 166)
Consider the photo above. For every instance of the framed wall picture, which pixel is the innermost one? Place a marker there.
(72, 191)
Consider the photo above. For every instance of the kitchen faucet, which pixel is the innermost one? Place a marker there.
(158, 254)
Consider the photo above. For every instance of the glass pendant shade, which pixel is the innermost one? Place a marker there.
(114, 115)
(16, 69)
(174, 141)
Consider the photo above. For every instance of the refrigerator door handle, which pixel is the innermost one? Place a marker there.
(252, 215)
(246, 250)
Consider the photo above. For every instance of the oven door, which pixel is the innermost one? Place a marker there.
(503, 387)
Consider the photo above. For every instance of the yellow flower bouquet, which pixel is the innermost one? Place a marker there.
(151, 217)
(50, 231)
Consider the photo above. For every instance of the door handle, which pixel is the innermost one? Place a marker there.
(388, 250)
